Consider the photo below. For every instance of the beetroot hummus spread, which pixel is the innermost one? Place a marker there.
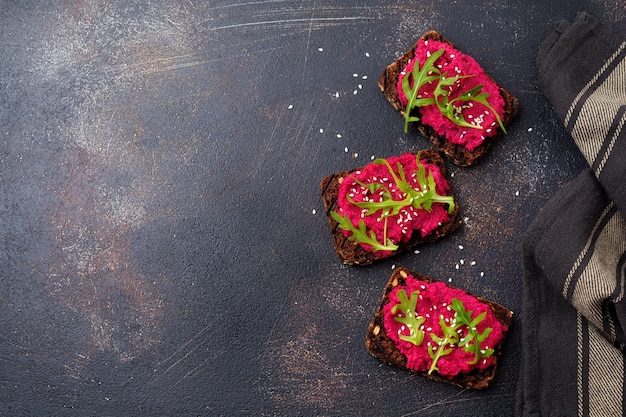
(434, 303)
(455, 63)
(357, 188)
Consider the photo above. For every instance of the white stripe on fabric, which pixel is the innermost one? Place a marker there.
(593, 81)
(579, 368)
(606, 376)
(599, 111)
(609, 149)
(585, 249)
(598, 280)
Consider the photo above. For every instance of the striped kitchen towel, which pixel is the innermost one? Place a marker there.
(575, 251)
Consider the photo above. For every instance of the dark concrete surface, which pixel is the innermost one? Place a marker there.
(162, 248)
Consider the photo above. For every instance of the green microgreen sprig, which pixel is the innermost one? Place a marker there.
(429, 73)
(361, 234)
(409, 318)
(470, 343)
(422, 198)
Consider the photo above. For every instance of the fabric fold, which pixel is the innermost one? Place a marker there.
(574, 316)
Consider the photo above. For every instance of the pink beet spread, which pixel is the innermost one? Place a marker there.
(433, 301)
(409, 220)
(453, 63)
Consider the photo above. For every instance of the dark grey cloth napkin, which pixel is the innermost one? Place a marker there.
(574, 318)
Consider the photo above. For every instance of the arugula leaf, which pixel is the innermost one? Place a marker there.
(470, 342)
(360, 234)
(429, 73)
(410, 319)
(422, 198)
(450, 338)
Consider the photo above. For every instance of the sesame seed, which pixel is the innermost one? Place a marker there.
(367, 54)
(345, 149)
(393, 266)
(355, 75)
(320, 49)
(314, 211)
(355, 91)
(473, 263)
(364, 77)
(339, 135)
(482, 274)
(290, 106)
(461, 247)
(530, 129)
(321, 130)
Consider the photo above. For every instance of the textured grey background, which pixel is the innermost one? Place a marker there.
(162, 247)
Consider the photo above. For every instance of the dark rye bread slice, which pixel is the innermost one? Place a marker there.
(384, 348)
(351, 252)
(459, 154)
